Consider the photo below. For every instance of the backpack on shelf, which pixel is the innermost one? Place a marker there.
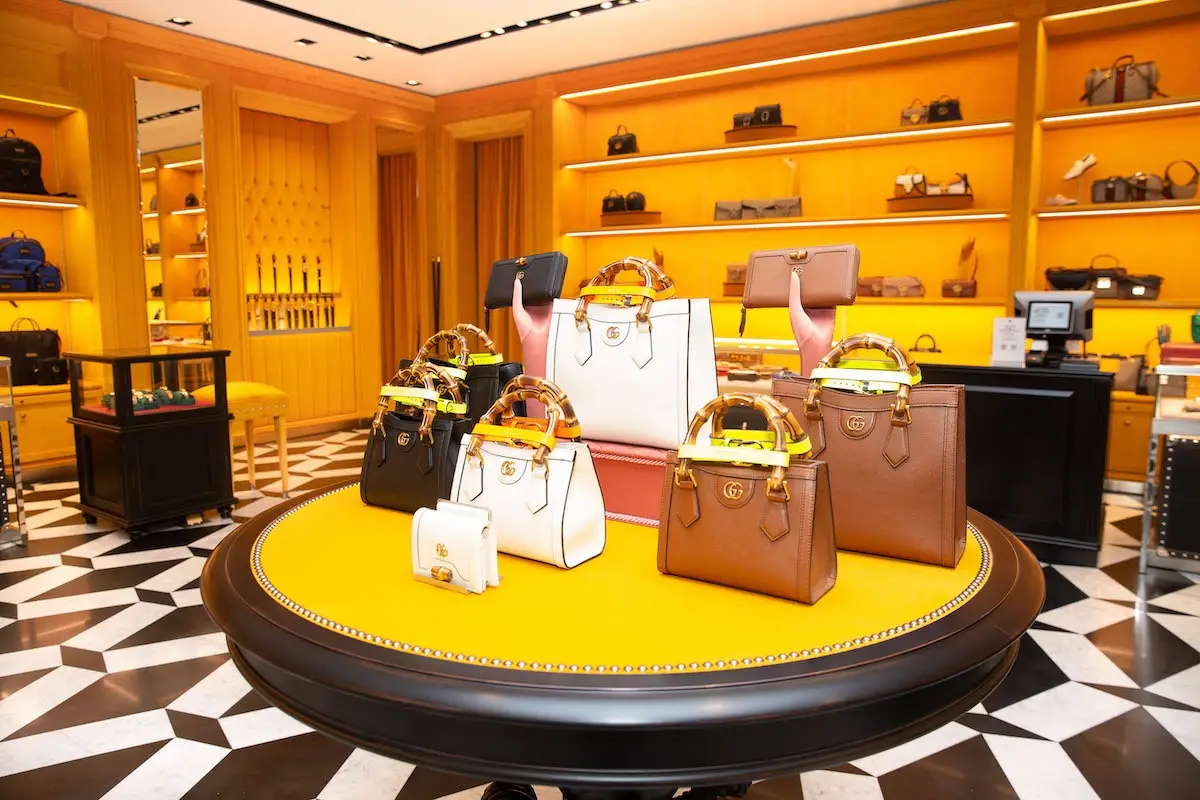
(19, 253)
(20, 165)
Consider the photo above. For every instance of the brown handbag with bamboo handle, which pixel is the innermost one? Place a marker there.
(896, 452)
(752, 518)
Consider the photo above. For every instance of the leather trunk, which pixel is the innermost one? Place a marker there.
(401, 472)
(898, 490)
(630, 479)
(732, 539)
(828, 277)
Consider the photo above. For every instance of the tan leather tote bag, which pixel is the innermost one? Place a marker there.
(754, 516)
(897, 458)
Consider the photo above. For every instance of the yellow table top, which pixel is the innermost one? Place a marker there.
(348, 567)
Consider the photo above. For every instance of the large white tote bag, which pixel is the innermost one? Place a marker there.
(545, 499)
(636, 373)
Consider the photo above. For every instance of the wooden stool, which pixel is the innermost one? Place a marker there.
(249, 403)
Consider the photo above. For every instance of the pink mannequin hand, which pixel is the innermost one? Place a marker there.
(533, 326)
(813, 329)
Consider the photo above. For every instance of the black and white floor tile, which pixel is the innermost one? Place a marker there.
(115, 684)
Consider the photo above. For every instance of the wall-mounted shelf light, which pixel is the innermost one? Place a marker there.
(183, 211)
(1122, 209)
(189, 163)
(192, 255)
(38, 201)
(819, 222)
(1088, 12)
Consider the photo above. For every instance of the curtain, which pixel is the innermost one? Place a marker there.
(404, 294)
(499, 225)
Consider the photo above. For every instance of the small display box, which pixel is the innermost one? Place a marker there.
(148, 451)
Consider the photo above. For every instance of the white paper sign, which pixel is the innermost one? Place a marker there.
(1008, 342)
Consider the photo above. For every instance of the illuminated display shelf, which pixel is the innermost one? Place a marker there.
(916, 133)
(43, 297)
(925, 217)
(183, 211)
(1106, 302)
(1121, 112)
(1119, 209)
(43, 201)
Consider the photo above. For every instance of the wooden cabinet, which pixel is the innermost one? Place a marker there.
(1129, 436)
(43, 432)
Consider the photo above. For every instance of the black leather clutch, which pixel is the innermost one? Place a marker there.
(743, 120)
(613, 201)
(404, 473)
(768, 115)
(541, 277)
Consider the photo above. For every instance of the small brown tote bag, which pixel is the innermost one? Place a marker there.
(896, 459)
(754, 519)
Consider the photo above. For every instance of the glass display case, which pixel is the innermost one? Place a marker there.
(153, 448)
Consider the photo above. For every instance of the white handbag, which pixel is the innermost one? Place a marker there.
(454, 547)
(637, 374)
(542, 490)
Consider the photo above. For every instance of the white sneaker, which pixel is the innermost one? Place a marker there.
(1061, 200)
(1079, 167)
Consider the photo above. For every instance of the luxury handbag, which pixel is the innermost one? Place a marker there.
(19, 253)
(483, 374)
(917, 113)
(961, 185)
(541, 276)
(903, 286)
(1130, 375)
(20, 165)
(50, 371)
(1113, 189)
(613, 201)
(1180, 191)
(1069, 279)
(11, 281)
(870, 286)
(1124, 82)
(964, 287)
(1104, 280)
(1145, 186)
(910, 183)
(932, 347)
(152, 248)
(727, 210)
(47, 278)
(25, 346)
(542, 492)
(622, 143)
(635, 201)
(191, 201)
(201, 287)
(897, 460)
(408, 463)
(712, 496)
(743, 120)
(1139, 287)
(828, 278)
(770, 209)
(945, 109)
(454, 547)
(768, 115)
(659, 356)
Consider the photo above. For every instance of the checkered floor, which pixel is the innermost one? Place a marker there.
(114, 683)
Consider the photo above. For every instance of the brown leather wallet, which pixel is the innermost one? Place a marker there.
(897, 461)
(763, 529)
(828, 277)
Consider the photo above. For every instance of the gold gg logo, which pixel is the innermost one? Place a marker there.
(404, 438)
(733, 490)
(442, 551)
(856, 424)
(508, 469)
(614, 332)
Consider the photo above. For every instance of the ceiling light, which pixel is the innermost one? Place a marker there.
(576, 13)
(391, 43)
(522, 24)
(372, 40)
(1087, 12)
(622, 2)
(362, 58)
(411, 82)
(866, 48)
(606, 5)
(180, 21)
(499, 31)
(305, 42)
(485, 35)
(545, 22)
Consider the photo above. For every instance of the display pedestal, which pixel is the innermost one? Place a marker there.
(630, 479)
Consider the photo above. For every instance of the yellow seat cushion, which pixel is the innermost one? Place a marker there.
(248, 399)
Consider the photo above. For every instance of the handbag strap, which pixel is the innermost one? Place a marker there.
(932, 342)
(18, 233)
(409, 378)
(653, 279)
(568, 427)
(457, 342)
(900, 413)
(621, 129)
(1092, 263)
(473, 359)
(488, 427)
(16, 326)
(9, 133)
(945, 97)
(1195, 172)
(614, 193)
(916, 103)
(968, 250)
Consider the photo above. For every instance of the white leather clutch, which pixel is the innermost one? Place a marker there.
(454, 547)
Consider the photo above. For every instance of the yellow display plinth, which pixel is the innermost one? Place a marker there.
(348, 567)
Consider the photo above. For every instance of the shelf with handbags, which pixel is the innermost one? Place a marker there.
(914, 191)
(628, 209)
(1109, 282)
(21, 179)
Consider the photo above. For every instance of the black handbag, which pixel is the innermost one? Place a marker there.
(1069, 279)
(613, 201)
(411, 454)
(768, 115)
(484, 374)
(945, 109)
(25, 346)
(635, 201)
(1139, 287)
(50, 371)
(743, 120)
(1180, 191)
(622, 143)
(541, 276)
(20, 165)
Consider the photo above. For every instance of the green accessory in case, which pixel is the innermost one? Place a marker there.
(1196, 327)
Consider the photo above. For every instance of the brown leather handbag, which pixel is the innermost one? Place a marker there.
(896, 454)
(828, 277)
(745, 516)
(964, 287)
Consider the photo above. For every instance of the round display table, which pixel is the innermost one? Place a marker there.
(610, 679)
